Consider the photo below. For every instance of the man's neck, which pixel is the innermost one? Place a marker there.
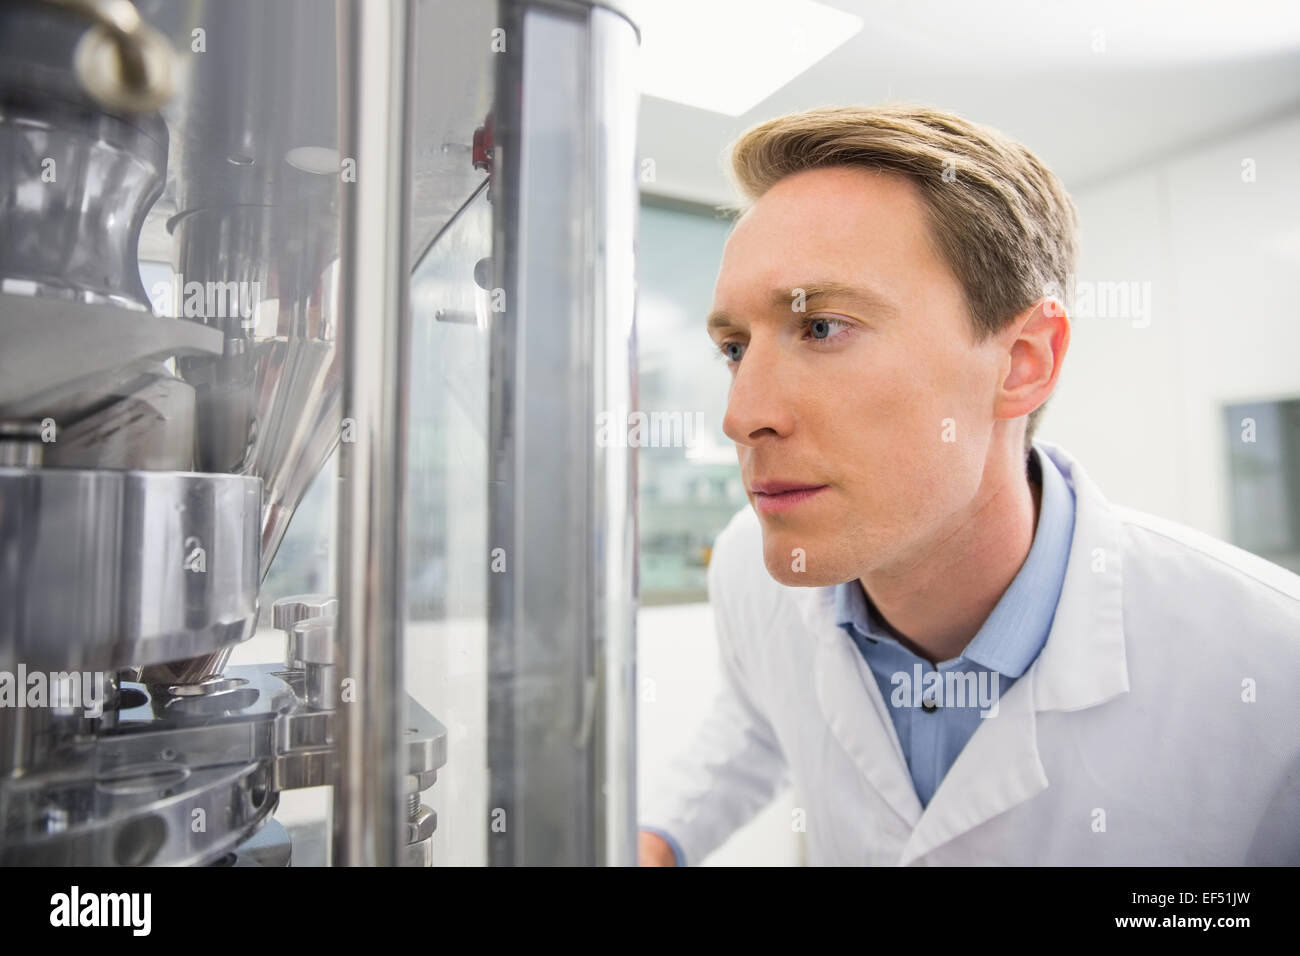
(937, 605)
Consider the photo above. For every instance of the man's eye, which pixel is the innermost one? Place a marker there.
(823, 329)
(732, 351)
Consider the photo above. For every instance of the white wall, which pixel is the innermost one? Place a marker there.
(1140, 407)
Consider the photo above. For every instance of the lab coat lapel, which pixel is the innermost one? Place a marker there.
(853, 708)
(1082, 664)
(997, 769)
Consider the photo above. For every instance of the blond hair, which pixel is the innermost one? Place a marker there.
(998, 217)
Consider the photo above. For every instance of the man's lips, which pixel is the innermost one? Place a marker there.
(780, 487)
(774, 496)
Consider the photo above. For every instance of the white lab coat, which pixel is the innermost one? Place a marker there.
(1160, 724)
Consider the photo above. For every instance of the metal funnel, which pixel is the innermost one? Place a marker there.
(269, 405)
(254, 242)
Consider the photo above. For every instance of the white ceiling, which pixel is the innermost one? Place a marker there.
(1172, 74)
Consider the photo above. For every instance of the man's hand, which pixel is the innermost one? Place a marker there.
(653, 850)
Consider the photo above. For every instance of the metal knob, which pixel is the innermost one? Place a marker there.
(311, 642)
(122, 62)
(288, 611)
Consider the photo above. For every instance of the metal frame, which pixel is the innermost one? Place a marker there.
(374, 287)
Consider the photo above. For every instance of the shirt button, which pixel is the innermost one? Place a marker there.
(929, 705)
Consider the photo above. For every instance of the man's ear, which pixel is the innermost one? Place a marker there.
(1036, 342)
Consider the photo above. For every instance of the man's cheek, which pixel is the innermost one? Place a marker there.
(901, 406)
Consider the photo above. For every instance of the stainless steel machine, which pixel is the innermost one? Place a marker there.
(390, 251)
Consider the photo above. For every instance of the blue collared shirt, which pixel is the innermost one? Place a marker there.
(935, 711)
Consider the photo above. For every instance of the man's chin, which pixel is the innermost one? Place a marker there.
(796, 567)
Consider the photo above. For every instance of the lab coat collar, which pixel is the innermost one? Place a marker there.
(1083, 664)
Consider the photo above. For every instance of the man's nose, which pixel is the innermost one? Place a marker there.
(759, 404)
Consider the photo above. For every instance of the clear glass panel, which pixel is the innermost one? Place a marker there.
(447, 550)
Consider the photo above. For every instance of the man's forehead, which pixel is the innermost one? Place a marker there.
(835, 185)
(816, 212)
(836, 230)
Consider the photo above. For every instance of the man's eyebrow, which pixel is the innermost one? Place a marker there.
(814, 292)
(818, 291)
(718, 320)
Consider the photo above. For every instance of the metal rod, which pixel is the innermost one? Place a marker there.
(612, 128)
(374, 63)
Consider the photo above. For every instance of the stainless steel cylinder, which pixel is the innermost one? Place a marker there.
(561, 744)
(313, 648)
(107, 569)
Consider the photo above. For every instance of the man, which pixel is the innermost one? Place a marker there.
(938, 630)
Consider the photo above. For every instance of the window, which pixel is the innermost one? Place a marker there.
(690, 483)
(1263, 441)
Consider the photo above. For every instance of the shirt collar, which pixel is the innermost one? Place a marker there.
(1016, 631)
